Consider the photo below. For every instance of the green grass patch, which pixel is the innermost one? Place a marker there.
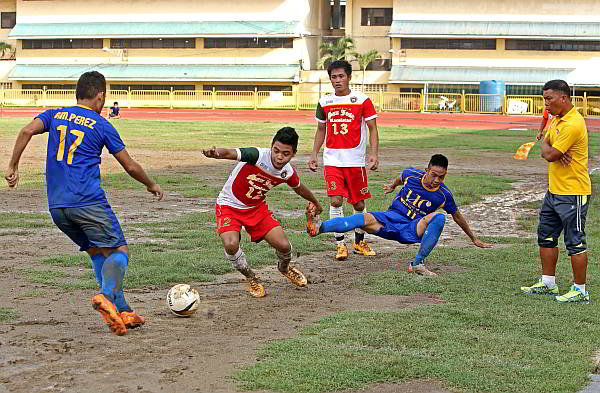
(485, 337)
(25, 220)
(7, 314)
(35, 293)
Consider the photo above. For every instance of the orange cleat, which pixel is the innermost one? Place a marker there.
(363, 248)
(342, 252)
(256, 288)
(131, 319)
(422, 270)
(109, 312)
(296, 277)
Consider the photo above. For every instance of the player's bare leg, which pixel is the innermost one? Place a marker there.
(360, 244)
(337, 210)
(283, 249)
(233, 253)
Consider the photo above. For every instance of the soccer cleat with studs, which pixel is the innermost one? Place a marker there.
(312, 225)
(575, 295)
(296, 277)
(363, 248)
(109, 312)
(539, 288)
(256, 288)
(421, 270)
(342, 252)
(131, 319)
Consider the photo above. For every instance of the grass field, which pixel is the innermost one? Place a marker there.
(481, 336)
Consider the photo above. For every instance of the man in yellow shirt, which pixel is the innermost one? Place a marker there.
(565, 147)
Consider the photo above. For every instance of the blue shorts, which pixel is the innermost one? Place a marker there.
(397, 226)
(92, 226)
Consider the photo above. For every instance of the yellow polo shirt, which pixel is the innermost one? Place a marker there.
(569, 133)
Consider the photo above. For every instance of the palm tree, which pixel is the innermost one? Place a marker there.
(332, 51)
(4, 47)
(364, 59)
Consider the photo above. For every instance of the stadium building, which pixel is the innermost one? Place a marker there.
(273, 45)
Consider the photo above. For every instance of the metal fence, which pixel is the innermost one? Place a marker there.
(305, 100)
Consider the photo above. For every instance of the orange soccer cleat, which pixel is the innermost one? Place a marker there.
(109, 312)
(296, 277)
(131, 319)
(256, 288)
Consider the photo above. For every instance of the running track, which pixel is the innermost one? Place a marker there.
(407, 119)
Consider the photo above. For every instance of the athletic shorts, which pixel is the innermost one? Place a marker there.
(92, 226)
(563, 212)
(258, 220)
(398, 227)
(351, 183)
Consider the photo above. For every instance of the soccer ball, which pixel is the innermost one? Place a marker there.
(183, 300)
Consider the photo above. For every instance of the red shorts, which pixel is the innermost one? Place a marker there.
(258, 220)
(350, 183)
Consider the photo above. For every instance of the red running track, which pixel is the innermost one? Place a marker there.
(407, 119)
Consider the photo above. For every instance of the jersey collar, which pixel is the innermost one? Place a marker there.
(84, 107)
(427, 188)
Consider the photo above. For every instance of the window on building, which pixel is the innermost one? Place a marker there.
(5, 85)
(257, 42)
(9, 20)
(342, 21)
(380, 65)
(553, 45)
(369, 87)
(151, 87)
(438, 43)
(248, 87)
(46, 86)
(152, 43)
(63, 44)
(376, 17)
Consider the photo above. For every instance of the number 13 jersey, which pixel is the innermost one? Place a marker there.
(346, 135)
(253, 177)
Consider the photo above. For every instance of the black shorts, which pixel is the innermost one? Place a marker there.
(566, 212)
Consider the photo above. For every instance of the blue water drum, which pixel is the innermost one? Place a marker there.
(492, 103)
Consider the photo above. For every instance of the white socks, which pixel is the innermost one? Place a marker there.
(549, 281)
(333, 213)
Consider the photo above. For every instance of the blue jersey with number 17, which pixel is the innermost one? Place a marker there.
(76, 137)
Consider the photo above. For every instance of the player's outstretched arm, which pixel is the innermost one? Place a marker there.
(136, 171)
(36, 127)
(387, 188)
(373, 156)
(220, 153)
(462, 222)
(307, 194)
(313, 161)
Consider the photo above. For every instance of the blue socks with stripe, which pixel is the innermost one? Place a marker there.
(109, 274)
(430, 238)
(343, 224)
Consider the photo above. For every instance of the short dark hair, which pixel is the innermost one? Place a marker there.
(116, 103)
(438, 160)
(558, 85)
(340, 64)
(287, 136)
(90, 84)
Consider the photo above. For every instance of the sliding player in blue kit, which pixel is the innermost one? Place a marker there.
(77, 202)
(412, 217)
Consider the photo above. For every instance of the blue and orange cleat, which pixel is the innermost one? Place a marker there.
(109, 312)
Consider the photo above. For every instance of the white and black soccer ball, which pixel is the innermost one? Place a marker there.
(183, 300)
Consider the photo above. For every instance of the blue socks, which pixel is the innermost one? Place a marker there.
(111, 280)
(343, 224)
(430, 238)
(97, 263)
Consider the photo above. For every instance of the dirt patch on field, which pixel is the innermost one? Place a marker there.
(59, 344)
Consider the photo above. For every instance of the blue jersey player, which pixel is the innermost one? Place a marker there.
(413, 217)
(77, 202)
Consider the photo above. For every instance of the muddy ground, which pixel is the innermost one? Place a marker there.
(59, 344)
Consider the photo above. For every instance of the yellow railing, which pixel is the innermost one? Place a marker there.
(442, 102)
(484, 103)
(306, 100)
(405, 102)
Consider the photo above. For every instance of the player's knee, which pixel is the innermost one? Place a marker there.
(574, 249)
(337, 201)
(231, 246)
(547, 242)
(359, 206)
(438, 220)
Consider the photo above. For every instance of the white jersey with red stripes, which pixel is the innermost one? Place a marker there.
(346, 137)
(249, 182)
